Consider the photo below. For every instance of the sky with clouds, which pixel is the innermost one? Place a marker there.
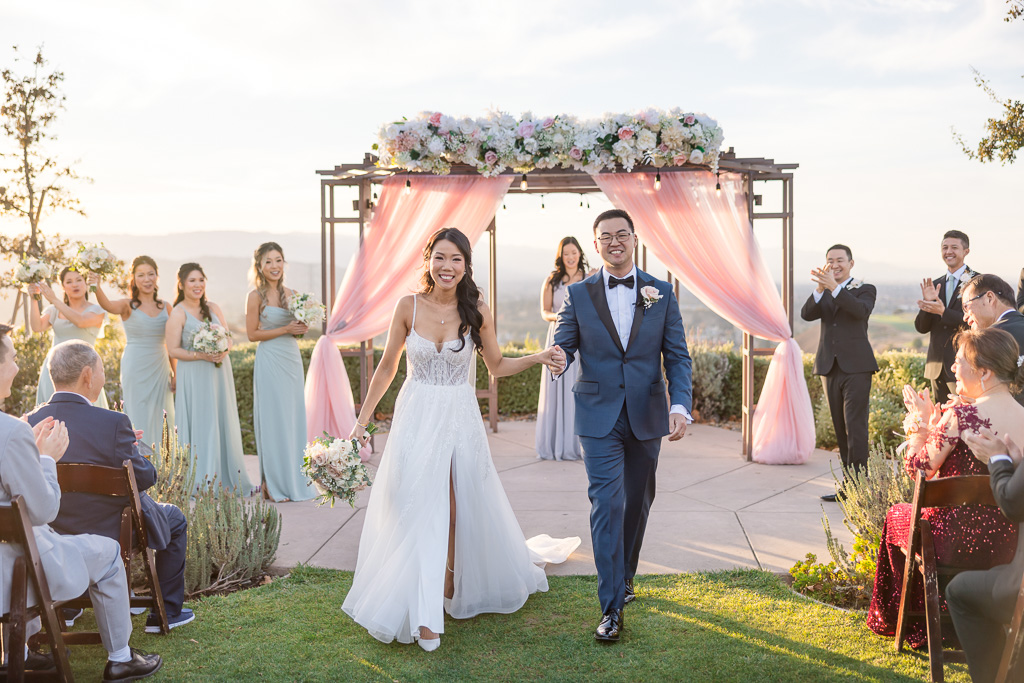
(202, 115)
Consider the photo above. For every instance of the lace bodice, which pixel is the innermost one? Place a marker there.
(447, 367)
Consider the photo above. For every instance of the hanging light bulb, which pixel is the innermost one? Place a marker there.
(504, 208)
(375, 195)
(657, 181)
(408, 186)
(522, 184)
(718, 185)
(588, 203)
(542, 207)
(581, 202)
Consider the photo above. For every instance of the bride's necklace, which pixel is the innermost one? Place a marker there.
(439, 305)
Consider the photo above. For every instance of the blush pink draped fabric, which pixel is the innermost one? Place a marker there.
(705, 239)
(387, 267)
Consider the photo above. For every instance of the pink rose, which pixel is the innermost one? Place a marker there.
(435, 118)
(490, 157)
(663, 147)
(576, 153)
(526, 129)
(679, 159)
(625, 133)
(548, 122)
(689, 119)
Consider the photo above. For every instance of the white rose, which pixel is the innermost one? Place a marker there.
(696, 157)
(646, 139)
(435, 146)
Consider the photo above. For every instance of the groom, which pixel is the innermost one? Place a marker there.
(624, 324)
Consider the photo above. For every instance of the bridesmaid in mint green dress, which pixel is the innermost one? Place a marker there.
(205, 407)
(278, 380)
(146, 373)
(74, 317)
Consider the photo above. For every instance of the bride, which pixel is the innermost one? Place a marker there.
(439, 533)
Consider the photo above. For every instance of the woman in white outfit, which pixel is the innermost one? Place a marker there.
(440, 534)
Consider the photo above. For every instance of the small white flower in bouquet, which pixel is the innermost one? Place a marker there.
(335, 468)
(211, 338)
(96, 258)
(31, 270)
(307, 309)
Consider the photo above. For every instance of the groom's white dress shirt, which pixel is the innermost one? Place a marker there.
(622, 306)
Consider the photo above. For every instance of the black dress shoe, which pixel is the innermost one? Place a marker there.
(834, 497)
(36, 661)
(139, 666)
(630, 595)
(608, 630)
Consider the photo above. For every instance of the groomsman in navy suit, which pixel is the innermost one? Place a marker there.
(104, 437)
(624, 325)
(941, 315)
(845, 360)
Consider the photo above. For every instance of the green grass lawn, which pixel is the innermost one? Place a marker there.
(723, 626)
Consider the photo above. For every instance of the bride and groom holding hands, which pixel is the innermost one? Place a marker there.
(439, 533)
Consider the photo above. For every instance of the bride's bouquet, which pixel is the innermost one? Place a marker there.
(211, 338)
(32, 271)
(307, 309)
(335, 468)
(96, 258)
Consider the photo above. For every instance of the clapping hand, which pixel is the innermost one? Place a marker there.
(930, 301)
(984, 444)
(918, 403)
(824, 278)
(51, 437)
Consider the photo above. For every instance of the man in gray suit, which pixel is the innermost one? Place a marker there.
(988, 302)
(72, 564)
(982, 602)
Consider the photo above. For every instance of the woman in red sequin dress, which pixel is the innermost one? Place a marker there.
(969, 536)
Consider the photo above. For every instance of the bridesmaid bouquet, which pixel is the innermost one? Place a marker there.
(32, 271)
(306, 309)
(96, 258)
(211, 338)
(334, 467)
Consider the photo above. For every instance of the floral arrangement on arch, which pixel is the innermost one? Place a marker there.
(434, 141)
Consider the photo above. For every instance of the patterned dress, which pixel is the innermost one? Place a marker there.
(968, 537)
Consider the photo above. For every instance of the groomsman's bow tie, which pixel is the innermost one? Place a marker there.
(614, 282)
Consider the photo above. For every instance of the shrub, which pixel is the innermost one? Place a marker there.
(710, 373)
(231, 540)
(30, 350)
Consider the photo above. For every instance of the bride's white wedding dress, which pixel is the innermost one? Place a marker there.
(437, 429)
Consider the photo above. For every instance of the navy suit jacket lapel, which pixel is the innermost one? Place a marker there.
(638, 309)
(596, 290)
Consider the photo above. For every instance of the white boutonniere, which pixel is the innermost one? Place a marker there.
(649, 296)
(854, 284)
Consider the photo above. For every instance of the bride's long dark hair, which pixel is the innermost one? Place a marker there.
(467, 293)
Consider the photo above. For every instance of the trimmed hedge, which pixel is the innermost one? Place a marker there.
(717, 384)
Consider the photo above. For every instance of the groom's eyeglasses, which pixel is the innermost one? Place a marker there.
(606, 238)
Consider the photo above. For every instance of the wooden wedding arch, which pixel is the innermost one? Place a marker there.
(366, 174)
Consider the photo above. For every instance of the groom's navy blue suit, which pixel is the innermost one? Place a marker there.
(622, 413)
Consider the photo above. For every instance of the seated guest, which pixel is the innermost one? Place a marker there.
(988, 302)
(103, 437)
(982, 602)
(72, 564)
(968, 536)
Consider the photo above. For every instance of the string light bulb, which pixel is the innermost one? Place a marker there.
(718, 185)
(504, 208)
(408, 186)
(523, 184)
(657, 181)
(581, 202)
(542, 207)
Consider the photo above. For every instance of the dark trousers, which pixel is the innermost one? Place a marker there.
(942, 389)
(170, 561)
(621, 471)
(979, 616)
(848, 396)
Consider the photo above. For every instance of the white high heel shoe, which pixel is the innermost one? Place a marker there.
(428, 645)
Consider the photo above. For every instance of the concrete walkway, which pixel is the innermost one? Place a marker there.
(713, 509)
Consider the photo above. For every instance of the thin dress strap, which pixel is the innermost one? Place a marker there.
(414, 312)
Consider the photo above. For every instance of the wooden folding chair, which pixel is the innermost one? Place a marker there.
(1011, 667)
(119, 482)
(16, 529)
(935, 493)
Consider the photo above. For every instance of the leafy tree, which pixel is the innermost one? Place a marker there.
(1005, 136)
(33, 182)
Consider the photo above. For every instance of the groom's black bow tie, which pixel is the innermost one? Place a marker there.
(614, 282)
